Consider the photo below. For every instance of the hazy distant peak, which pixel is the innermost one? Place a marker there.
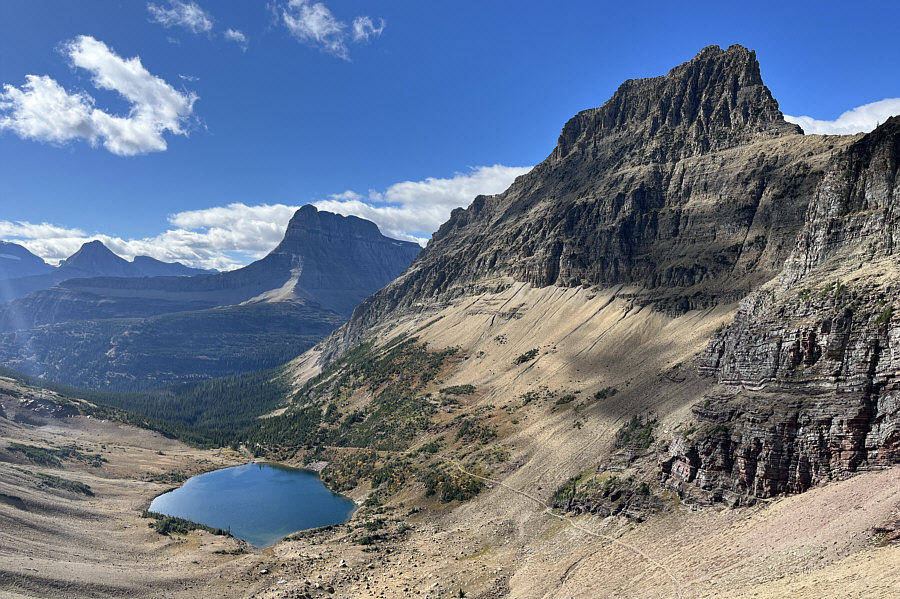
(17, 261)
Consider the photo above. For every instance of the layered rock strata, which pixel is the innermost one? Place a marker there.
(809, 371)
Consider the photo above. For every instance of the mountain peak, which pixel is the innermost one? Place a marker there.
(309, 223)
(714, 101)
(95, 259)
(309, 219)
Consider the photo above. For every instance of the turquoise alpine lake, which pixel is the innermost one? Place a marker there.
(259, 503)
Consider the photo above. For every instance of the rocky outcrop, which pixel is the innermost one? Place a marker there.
(690, 188)
(809, 370)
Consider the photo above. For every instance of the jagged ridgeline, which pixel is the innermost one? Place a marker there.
(688, 188)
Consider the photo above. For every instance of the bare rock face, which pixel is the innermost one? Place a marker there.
(809, 371)
(690, 187)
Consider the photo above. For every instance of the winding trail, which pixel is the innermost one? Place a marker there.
(549, 511)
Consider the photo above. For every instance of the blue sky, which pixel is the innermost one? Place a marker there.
(397, 111)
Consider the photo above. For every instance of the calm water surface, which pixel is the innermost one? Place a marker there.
(260, 503)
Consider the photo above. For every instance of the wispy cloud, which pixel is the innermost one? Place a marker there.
(181, 14)
(226, 237)
(237, 36)
(314, 24)
(43, 110)
(364, 28)
(856, 120)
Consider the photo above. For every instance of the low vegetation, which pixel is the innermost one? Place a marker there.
(54, 456)
(450, 485)
(166, 478)
(605, 393)
(637, 433)
(167, 525)
(531, 354)
(459, 390)
(63, 484)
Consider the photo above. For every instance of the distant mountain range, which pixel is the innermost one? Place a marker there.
(24, 273)
(121, 330)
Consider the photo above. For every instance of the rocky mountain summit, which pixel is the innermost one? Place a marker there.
(683, 193)
(687, 189)
(94, 259)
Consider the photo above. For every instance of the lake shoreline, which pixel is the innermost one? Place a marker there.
(261, 505)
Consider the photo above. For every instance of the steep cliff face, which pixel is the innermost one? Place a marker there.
(689, 187)
(334, 261)
(809, 371)
(684, 192)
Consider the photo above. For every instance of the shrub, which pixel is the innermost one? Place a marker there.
(605, 393)
(531, 354)
(472, 431)
(450, 486)
(565, 399)
(166, 525)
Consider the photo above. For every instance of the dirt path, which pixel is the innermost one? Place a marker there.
(549, 511)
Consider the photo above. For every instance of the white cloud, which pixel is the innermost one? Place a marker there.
(181, 14)
(364, 28)
(43, 110)
(226, 237)
(856, 120)
(237, 36)
(314, 24)
(414, 209)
